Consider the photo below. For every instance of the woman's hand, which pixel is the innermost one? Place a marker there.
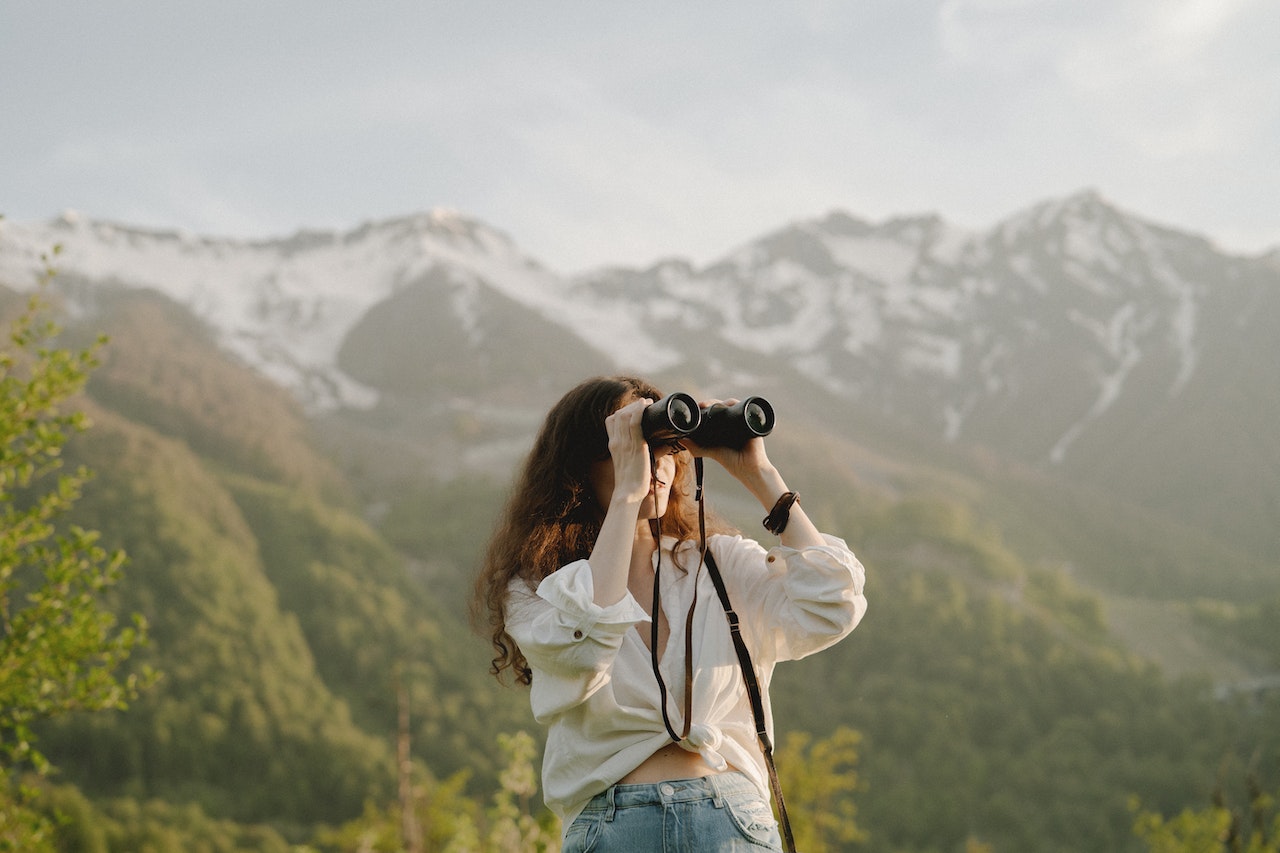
(746, 463)
(630, 454)
(623, 484)
(750, 466)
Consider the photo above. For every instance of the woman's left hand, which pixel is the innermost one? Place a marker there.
(750, 466)
(745, 463)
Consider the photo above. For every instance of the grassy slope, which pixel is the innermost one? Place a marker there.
(970, 593)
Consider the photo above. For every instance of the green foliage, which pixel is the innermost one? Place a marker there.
(1122, 548)
(1189, 832)
(168, 374)
(994, 705)
(1255, 626)
(441, 521)
(277, 616)
(60, 647)
(365, 616)
(819, 780)
(995, 710)
(448, 822)
(509, 823)
(24, 826)
(243, 724)
(1219, 828)
(78, 825)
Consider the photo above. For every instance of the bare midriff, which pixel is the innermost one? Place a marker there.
(670, 762)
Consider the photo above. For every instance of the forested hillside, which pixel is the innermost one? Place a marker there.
(288, 595)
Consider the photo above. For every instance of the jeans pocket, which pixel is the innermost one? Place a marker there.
(754, 819)
(582, 834)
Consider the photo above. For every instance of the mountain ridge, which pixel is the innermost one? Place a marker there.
(271, 296)
(1067, 331)
(994, 703)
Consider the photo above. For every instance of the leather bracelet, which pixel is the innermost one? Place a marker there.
(776, 521)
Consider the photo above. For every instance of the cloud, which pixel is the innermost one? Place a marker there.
(599, 133)
(1170, 78)
(1175, 79)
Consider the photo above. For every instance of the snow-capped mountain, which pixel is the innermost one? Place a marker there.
(285, 306)
(1071, 335)
(951, 328)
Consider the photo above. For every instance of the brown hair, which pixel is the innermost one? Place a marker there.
(553, 518)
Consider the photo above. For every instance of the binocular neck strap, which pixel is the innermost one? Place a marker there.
(656, 612)
(752, 684)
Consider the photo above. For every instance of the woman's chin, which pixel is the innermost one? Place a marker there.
(647, 508)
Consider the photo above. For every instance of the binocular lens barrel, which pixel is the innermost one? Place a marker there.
(678, 415)
(733, 426)
(673, 416)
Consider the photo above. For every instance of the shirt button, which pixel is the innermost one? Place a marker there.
(577, 635)
(667, 790)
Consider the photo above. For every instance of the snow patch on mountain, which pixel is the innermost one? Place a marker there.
(285, 306)
(878, 258)
(932, 353)
(951, 329)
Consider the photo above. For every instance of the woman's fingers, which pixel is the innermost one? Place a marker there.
(628, 449)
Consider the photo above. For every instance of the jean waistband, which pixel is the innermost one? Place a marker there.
(672, 791)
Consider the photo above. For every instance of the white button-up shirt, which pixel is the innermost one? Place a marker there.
(593, 682)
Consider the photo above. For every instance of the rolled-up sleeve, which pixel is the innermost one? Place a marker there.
(570, 641)
(797, 601)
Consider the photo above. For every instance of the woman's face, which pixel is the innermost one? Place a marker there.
(655, 504)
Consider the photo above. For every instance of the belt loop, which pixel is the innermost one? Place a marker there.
(611, 807)
(718, 799)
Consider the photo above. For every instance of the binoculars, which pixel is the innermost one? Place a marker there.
(678, 416)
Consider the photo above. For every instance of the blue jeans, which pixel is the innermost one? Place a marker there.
(714, 813)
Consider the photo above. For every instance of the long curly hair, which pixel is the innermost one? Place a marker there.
(552, 517)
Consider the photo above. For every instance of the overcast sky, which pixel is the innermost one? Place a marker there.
(601, 133)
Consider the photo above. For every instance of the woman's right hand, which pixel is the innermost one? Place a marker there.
(621, 484)
(630, 452)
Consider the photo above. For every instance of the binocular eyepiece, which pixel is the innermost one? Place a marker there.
(678, 416)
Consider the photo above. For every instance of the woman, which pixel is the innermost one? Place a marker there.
(566, 591)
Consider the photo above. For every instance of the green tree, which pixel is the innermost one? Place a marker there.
(1220, 828)
(818, 780)
(452, 822)
(61, 649)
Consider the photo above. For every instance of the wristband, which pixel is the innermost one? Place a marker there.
(776, 521)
